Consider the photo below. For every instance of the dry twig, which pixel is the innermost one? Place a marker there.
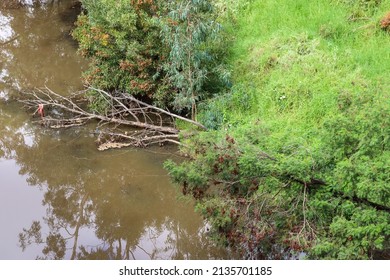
(125, 112)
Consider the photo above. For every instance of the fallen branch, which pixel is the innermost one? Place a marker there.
(150, 107)
(55, 100)
(136, 139)
(124, 112)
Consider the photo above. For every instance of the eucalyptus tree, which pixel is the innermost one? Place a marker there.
(187, 31)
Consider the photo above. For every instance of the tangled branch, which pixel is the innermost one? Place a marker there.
(124, 114)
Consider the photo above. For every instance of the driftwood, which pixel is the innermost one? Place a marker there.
(123, 115)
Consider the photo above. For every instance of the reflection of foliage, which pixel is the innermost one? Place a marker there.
(51, 49)
(111, 204)
(99, 254)
(55, 247)
(55, 244)
(32, 235)
(77, 200)
(10, 4)
(11, 134)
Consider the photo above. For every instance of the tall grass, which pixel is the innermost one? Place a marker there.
(293, 60)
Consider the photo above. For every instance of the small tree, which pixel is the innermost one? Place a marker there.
(187, 29)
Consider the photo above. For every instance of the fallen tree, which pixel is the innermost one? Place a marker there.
(126, 121)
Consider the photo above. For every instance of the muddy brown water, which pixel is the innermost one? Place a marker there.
(59, 197)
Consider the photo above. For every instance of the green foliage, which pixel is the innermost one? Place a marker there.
(293, 196)
(298, 159)
(359, 141)
(215, 112)
(154, 49)
(122, 41)
(213, 116)
(357, 237)
(187, 31)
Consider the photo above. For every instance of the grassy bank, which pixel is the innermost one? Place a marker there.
(292, 60)
(298, 155)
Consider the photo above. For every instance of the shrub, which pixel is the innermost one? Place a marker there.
(122, 41)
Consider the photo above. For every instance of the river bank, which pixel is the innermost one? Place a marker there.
(60, 197)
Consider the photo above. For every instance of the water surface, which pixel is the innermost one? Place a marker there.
(59, 197)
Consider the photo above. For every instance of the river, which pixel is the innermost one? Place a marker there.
(59, 197)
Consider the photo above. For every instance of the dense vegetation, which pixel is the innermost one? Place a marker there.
(296, 159)
(153, 49)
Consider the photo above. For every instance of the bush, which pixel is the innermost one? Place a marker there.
(168, 52)
(122, 40)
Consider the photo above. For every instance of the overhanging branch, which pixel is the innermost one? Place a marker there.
(318, 182)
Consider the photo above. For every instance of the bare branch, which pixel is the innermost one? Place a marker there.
(124, 113)
(148, 106)
(66, 104)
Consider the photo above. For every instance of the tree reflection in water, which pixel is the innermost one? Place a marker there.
(110, 205)
(130, 214)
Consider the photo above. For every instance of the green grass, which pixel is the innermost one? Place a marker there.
(293, 61)
(311, 90)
